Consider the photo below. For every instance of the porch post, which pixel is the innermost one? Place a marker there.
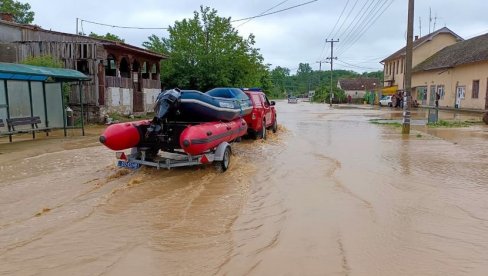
(82, 114)
(8, 107)
(64, 109)
(29, 84)
(46, 119)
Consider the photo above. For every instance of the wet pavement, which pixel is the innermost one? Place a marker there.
(329, 194)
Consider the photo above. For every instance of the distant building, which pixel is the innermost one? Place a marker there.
(124, 78)
(357, 87)
(458, 73)
(423, 48)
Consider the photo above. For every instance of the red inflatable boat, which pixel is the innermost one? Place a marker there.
(123, 135)
(193, 139)
(199, 138)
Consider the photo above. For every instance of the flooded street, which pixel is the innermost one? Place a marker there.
(329, 194)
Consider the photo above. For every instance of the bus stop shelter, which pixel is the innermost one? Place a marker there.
(28, 91)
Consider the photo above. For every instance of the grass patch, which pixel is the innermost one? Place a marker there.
(385, 122)
(123, 118)
(449, 124)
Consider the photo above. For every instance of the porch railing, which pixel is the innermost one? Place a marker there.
(147, 83)
(118, 82)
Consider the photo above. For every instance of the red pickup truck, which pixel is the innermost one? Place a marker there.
(263, 115)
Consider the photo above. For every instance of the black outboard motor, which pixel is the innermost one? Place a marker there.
(159, 134)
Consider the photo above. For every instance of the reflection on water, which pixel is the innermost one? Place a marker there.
(329, 194)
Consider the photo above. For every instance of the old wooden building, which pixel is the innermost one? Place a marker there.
(124, 78)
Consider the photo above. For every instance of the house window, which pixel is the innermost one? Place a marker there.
(440, 90)
(476, 89)
(82, 66)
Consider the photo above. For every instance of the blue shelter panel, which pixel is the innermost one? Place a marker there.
(54, 105)
(38, 102)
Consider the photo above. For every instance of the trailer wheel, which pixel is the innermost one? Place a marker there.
(223, 165)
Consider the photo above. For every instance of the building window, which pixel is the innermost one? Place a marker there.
(401, 66)
(440, 90)
(476, 89)
(397, 65)
(82, 66)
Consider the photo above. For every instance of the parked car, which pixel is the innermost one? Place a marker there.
(292, 99)
(263, 115)
(386, 100)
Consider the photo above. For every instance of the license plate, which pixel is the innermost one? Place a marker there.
(128, 164)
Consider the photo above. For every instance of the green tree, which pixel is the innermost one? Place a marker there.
(107, 36)
(279, 76)
(155, 44)
(49, 61)
(21, 12)
(206, 51)
(45, 61)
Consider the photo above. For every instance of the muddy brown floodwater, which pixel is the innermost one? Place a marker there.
(329, 194)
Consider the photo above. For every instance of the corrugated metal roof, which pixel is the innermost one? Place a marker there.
(14, 71)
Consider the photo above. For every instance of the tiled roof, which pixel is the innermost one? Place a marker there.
(359, 83)
(420, 41)
(464, 52)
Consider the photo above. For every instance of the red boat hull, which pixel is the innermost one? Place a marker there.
(123, 135)
(199, 138)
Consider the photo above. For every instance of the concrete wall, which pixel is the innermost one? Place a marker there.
(118, 100)
(150, 95)
(461, 76)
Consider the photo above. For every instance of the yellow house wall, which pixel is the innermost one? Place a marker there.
(431, 47)
(420, 54)
(451, 79)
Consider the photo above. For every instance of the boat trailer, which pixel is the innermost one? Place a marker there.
(220, 157)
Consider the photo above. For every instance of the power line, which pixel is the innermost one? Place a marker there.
(272, 8)
(356, 66)
(368, 25)
(333, 29)
(343, 22)
(360, 21)
(122, 27)
(275, 12)
(356, 19)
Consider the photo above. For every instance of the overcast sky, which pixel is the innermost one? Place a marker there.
(286, 38)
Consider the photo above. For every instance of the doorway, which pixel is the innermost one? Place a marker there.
(460, 92)
(486, 97)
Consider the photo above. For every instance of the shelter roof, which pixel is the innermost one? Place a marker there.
(14, 71)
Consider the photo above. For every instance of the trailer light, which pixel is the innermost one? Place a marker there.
(120, 155)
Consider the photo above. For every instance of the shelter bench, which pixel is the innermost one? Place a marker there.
(33, 121)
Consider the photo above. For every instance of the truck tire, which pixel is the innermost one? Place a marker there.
(262, 132)
(274, 128)
(222, 166)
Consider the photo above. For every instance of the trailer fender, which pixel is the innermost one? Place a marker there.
(219, 152)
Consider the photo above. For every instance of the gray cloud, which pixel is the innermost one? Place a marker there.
(285, 39)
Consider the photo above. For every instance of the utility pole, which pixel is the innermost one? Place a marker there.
(332, 41)
(77, 26)
(408, 70)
